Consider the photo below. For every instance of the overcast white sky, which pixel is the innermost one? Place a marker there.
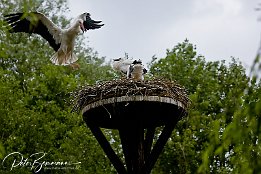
(143, 28)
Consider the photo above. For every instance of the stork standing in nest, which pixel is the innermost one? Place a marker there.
(131, 68)
(137, 71)
(61, 40)
(122, 65)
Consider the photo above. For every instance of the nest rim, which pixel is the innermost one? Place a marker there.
(99, 94)
(136, 98)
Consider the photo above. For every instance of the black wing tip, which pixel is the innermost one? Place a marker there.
(18, 14)
(145, 71)
(91, 24)
(98, 25)
(96, 22)
(17, 22)
(11, 21)
(12, 14)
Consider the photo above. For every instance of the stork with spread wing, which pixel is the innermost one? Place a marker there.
(61, 40)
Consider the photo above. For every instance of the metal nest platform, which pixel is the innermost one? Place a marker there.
(117, 103)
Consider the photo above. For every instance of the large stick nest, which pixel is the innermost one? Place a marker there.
(126, 87)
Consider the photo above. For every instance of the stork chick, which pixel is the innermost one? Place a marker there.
(137, 71)
(122, 65)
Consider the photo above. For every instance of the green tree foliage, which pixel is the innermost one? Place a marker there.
(221, 132)
(34, 113)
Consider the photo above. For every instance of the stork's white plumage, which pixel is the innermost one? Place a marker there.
(61, 40)
(122, 65)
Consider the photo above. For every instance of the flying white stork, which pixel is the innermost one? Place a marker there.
(61, 40)
(137, 71)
